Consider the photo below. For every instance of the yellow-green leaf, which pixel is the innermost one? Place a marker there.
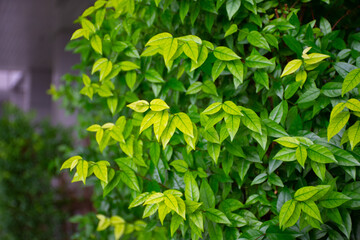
(169, 49)
(100, 170)
(351, 80)
(230, 108)
(315, 58)
(183, 123)
(139, 106)
(168, 132)
(213, 108)
(191, 50)
(291, 67)
(171, 202)
(71, 162)
(290, 142)
(161, 120)
(159, 39)
(225, 54)
(354, 134)
(158, 105)
(353, 104)
(82, 170)
(337, 123)
(96, 44)
(301, 155)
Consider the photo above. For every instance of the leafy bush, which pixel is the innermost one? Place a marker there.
(219, 119)
(29, 158)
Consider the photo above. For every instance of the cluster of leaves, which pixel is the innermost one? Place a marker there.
(249, 100)
(30, 155)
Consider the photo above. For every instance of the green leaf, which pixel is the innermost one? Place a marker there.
(232, 6)
(176, 221)
(113, 182)
(320, 154)
(256, 39)
(309, 95)
(183, 123)
(191, 50)
(259, 179)
(337, 123)
(232, 29)
(232, 124)
(286, 155)
(214, 151)
(213, 108)
(153, 76)
(82, 170)
(161, 120)
(305, 193)
(309, 207)
(334, 199)
(128, 66)
(225, 54)
(209, 87)
(288, 213)
(101, 171)
(289, 142)
(130, 78)
(258, 61)
(112, 103)
(194, 88)
(96, 44)
(262, 78)
(275, 180)
(150, 210)
(217, 69)
(319, 169)
(159, 39)
(354, 134)
(237, 69)
(214, 119)
(251, 120)
(191, 188)
(216, 216)
(197, 219)
(291, 67)
(274, 129)
(207, 195)
(180, 166)
(230, 108)
(140, 199)
(301, 155)
(279, 112)
(128, 176)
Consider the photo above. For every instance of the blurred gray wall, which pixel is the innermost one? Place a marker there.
(33, 35)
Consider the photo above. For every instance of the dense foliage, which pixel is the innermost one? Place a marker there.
(219, 119)
(30, 154)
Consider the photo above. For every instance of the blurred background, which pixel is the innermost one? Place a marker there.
(35, 133)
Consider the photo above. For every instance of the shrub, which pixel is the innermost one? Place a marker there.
(220, 119)
(30, 155)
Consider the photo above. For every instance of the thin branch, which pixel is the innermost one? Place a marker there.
(339, 20)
